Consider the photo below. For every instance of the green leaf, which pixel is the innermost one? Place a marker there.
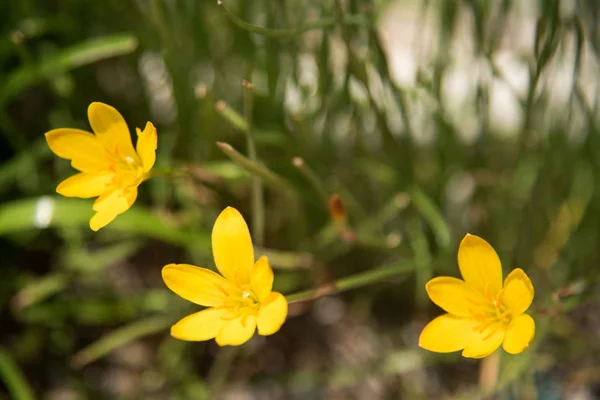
(47, 211)
(84, 53)
(120, 337)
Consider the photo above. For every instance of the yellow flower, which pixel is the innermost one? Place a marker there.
(110, 167)
(482, 313)
(239, 300)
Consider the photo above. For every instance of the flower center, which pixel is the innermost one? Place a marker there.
(241, 305)
(249, 299)
(493, 312)
(127, 172)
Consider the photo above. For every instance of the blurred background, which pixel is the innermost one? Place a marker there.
(383, 131)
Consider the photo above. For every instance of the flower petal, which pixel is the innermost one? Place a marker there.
(446, 333)
(116, 202)
(518, 292)
(272, 314)
(455, 296)
(111, 204)
(101, 219)
(482, 344)
(519, 334)
(479, 264)
(85, 185)
(237, 331)
(112, 131)
(198, 285)
(261, 281)
(203, 325)
(232, 246)
(81, 147)
(146, 145)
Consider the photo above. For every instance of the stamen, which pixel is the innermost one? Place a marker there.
(488, 292)
(245, 318)
(489, 335)
(222, 290)
(249, 299)
(504, 315)
(482, 327)
(233, 313)
(498, 301)
(478, 315)
(474, 302)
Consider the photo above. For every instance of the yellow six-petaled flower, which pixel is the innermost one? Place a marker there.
(111, 169)
(482, 312)
(239, 300)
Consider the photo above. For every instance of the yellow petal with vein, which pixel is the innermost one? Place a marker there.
(112, 131)
(272, 314)
(455, 296)
(482, 344)
(199, 285)
(237, 331)
(232, 246)
(519, 334)
(479, 264)
(111, 204)
(81, 147)
(146, 145)
(518, 292)
(85, 185)
(203, 325)
(446, 333)
(261, 281)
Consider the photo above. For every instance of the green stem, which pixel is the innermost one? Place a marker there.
(286, 33)
(217, 376)
(232, 116)
(418, 243)
(312, 177)
(432, 215)
(255, 168)
(353, 281)
(258, 209)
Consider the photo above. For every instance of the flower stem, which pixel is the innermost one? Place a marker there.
(258, 209)
(422, 256)
(312, 177)
(269, 177)
(353, 281)
(488, 372)
(217, 376)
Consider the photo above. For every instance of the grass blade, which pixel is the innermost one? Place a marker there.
(13, 378)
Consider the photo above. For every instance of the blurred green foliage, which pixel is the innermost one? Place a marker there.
(429, 119)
